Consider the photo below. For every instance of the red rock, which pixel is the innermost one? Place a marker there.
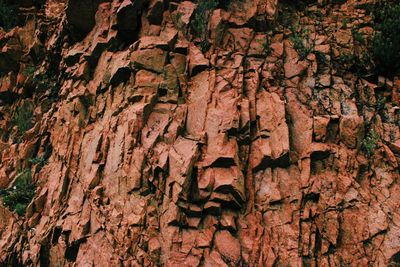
(197, 61)
(321, 127)
(197, 103)
(150, 59)
(119, 70)
(216, 26)
(242, 12)
(186, 9)
(154, 246)
(214, 259)
(277, 48)
(228, 247)
(325, 80)
(257, 45)
(395, 147)
(351, 130)
(323, 48)
(5, 218)
(150, 42)
(229, 181)
(228, 221)
(344, 37)
(221, 151)
(301, 129)
(165, 41)
(293, 68)
(179, 62)
(146, 78)
(270, 8)
(273, 143)
(204, 239)
(155, 153)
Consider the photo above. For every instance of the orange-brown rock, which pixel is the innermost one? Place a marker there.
(249, 143)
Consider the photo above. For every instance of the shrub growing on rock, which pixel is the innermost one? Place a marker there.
(370, 143)
(386, 41)
(23, 119)
(20, 195)
(200, 21)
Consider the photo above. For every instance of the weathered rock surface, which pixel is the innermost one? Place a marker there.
(150, 147)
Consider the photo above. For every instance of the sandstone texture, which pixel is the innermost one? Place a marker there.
(150, 146)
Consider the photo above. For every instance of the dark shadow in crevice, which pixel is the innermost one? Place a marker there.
(223, 162)
(81, 18)
(72, 251)
(332, 131)
(395, 260)
(268, 162)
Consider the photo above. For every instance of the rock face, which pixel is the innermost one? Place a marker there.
(151, 147)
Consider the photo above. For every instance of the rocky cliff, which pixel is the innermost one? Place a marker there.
(197, 133)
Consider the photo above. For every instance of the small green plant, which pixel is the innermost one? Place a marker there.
(8, 15)
(29, 71)
(301, 42)
(344, 23)
(200, 22)
(39, 161)
(370, 143)
(23, 119)
(347, 58)
(18, 197)
(381, 107)
(42, 82)
(359, 64)
(347, 61)
(386, 41)
(314, 14)
(357, 36)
